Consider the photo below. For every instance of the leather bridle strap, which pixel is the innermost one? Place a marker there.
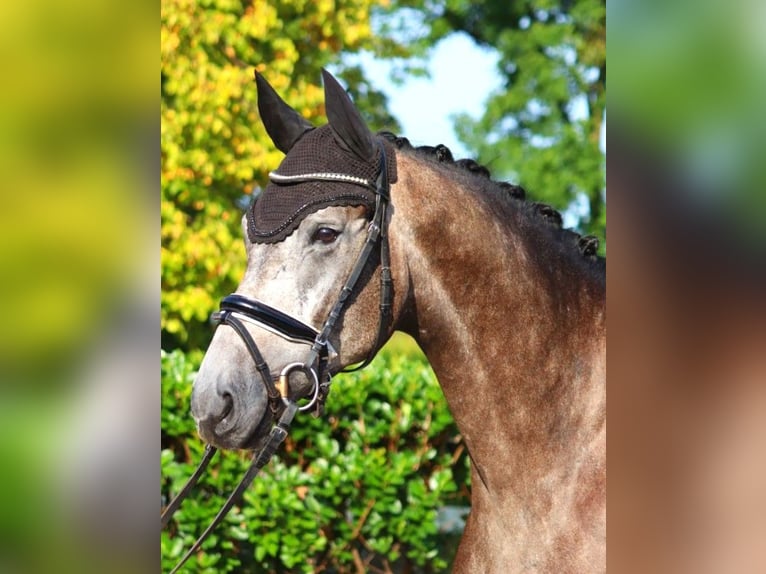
(270, 318)
(171, 508)
(379, 227)
(226, 317)
(291, 328)
(277, 436)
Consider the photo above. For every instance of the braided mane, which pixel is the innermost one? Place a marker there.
(587, 245)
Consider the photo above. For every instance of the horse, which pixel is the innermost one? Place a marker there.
(358, 235)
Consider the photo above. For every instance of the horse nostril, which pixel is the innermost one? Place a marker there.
(229, 400)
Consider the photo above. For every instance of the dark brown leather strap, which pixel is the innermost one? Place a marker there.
(171, 508)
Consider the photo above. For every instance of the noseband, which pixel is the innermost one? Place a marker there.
(236, 309)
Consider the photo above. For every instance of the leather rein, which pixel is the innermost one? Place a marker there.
(236, 309)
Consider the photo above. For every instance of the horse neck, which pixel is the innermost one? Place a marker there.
(514, 329)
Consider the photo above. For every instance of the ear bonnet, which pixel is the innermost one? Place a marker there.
(281, 207)
(334, 165)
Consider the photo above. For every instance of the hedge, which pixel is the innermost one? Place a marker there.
(357, 490)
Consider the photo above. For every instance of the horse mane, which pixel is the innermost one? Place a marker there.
(504, 192)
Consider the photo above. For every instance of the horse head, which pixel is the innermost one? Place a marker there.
(309, 302)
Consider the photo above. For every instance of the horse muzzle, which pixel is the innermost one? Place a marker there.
(229, 419)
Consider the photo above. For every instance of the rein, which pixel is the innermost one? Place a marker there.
(236, 309)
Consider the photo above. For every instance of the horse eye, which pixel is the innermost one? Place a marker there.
(325, 235)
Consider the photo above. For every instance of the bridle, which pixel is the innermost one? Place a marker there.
(236, 309)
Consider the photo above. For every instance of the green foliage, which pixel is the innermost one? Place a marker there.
(543, 128)
(358, 488)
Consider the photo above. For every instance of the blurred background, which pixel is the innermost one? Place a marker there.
(80, 392)
(79, 297)
(686, 287)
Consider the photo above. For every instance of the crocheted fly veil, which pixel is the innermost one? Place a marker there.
(296, 188)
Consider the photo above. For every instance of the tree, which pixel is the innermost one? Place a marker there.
(543, 128)
(214, 150)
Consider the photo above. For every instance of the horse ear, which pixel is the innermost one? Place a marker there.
(284, 125)
(347, 124)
